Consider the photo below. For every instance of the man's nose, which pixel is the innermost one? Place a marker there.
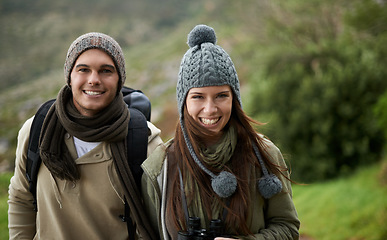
(94, 79)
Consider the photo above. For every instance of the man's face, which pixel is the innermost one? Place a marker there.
(94, 81)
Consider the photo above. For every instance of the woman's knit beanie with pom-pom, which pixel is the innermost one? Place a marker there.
(207, 64)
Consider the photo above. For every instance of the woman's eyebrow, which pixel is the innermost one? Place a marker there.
(195, 93)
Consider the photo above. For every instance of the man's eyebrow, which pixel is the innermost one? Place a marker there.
(81, 65)
(102, 66)
(108, 66)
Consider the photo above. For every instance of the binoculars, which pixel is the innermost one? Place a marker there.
(195, 232)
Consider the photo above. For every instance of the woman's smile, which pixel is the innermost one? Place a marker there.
(209, 121)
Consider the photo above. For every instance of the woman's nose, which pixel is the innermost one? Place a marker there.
(210, 107)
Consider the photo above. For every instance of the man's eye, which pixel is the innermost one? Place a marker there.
(83, 70)
(107, 71)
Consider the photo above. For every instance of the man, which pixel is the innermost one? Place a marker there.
(81, 186)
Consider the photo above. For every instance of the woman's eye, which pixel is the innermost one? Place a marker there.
(197, 97)
(223, 95)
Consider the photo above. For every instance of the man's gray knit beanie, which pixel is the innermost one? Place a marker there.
(99, 41)
(205, 64)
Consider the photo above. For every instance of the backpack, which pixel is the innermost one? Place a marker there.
(137, 140)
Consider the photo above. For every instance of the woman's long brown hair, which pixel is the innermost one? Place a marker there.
(240, 165)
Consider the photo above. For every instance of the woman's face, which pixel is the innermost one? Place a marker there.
(94, 82)
(210, 106)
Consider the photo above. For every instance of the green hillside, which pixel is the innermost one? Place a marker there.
(354, 207)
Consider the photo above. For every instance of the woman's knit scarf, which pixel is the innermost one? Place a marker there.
(219, 154)
(110, 125)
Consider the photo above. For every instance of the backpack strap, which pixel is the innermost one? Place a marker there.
(137, 140)
(33, 155)
(137, 144)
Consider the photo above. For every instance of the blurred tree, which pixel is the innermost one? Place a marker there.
(322, 74)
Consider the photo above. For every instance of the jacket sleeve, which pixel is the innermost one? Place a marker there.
(21, 213)
(151, 202)
(152, 188)
(281, 219)
(154, 139)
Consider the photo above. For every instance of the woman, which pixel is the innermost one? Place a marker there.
(216, 167)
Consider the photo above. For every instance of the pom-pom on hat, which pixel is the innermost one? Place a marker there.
(207, 64)
(96, 40)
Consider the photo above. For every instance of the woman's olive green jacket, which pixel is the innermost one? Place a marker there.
(275, 218)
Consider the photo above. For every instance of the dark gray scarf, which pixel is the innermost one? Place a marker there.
(109, 125)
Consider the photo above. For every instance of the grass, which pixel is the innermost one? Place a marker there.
(353, 208)
(4, 182)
